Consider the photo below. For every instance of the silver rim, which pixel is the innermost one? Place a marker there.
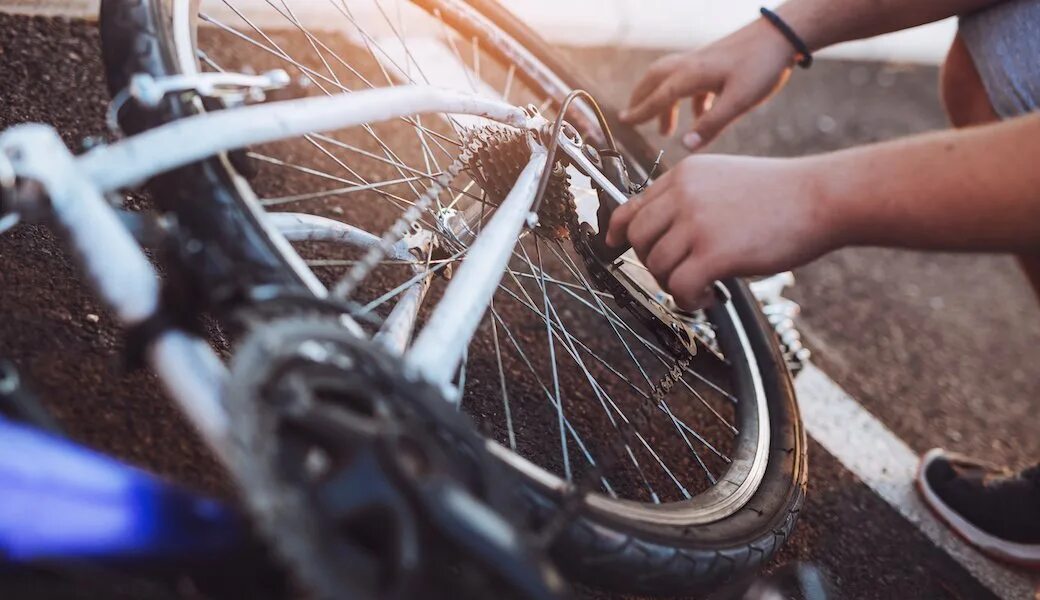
(745, 465)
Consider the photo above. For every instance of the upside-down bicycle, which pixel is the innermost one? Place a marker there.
(387, 308)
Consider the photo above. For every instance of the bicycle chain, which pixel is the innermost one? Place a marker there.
(346, 286)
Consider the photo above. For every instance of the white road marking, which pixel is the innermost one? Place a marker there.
(887, 466)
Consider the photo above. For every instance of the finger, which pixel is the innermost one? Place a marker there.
(657, 73)
(650, 225)
(650, 81)
(617, 233)
(668, 253)
(702, 104)
(723, 111)
(668, 120)
(660, 99)
(707, 298)
(688, 284)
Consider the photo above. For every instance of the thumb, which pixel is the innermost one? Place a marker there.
(723, 111)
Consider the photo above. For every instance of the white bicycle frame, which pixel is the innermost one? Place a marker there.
(194, 376)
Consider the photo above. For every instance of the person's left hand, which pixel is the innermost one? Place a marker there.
(714, 216)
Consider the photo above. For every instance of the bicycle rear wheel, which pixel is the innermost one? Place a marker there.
(712, 486)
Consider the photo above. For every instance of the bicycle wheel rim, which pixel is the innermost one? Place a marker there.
(747, 465)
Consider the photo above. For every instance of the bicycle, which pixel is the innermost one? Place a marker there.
(344, 374)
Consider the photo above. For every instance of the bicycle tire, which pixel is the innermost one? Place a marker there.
(596, 548)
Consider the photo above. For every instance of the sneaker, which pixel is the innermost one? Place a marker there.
(994, 510)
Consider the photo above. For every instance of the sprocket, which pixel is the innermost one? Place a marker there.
(500, 155)
(361, 477)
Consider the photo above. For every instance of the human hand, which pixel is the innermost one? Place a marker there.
(713, 217)
(723, 80)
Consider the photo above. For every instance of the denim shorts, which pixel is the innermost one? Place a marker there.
(1004, 41)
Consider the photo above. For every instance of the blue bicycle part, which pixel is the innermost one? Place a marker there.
(59, 500)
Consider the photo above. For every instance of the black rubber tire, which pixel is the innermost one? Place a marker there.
(239, 256)
(641, 559)
(595, 548)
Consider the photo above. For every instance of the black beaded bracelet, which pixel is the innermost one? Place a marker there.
(805, 57)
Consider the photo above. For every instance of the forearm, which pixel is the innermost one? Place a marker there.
(975, 189)
(823, 23)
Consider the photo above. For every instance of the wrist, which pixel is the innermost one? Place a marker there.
(832, 202)
(803, 21)
(767, 41)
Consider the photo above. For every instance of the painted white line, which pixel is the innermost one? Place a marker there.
(887, 466)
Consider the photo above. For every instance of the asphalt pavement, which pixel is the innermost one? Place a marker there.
(940, 348)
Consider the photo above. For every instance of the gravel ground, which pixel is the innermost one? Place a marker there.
(53, 329)
(915, 337)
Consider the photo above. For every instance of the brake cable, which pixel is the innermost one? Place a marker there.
(554, 139)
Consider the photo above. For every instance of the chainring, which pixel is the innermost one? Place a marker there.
(361, 477)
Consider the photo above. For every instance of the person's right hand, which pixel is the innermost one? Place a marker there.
(723, 80)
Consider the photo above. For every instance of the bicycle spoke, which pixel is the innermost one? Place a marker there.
(423, 174)
(661, 355)
(597, 390)
(314, 142)
(502, 382)
(407, 284)
(557, 282)
(617, 320)
(427, 154)
(679, 423)
(507, 88)
(332, 193)
(530, 367)
(371, 44)
(455, 49)
(335, 262)
(314, 76)
(315, 172)
(664, 402)
(552, 363)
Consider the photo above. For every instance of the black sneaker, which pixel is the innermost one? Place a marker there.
(996, 511)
